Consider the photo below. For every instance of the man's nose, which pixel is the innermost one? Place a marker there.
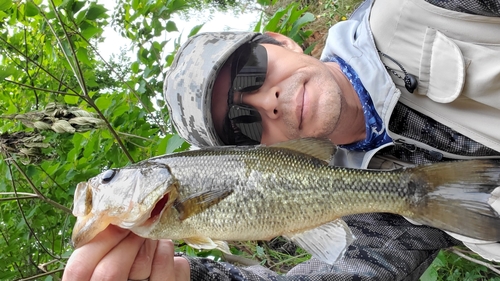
(266, 101)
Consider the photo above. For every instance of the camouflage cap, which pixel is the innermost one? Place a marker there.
(190, 80)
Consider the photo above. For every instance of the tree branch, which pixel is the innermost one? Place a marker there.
(120, 77)
(79, 76)
(35, 189)
(26, 69)
(39, 66)
(75, 66)
(41, 89)
(32, 231)
(35, 277)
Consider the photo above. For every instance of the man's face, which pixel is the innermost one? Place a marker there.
(299, 98)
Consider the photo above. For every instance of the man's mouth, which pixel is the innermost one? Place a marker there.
(300, 106)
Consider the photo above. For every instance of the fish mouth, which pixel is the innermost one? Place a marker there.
(87, 227)
(158, 209)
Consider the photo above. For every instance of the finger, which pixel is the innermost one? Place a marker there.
(167, 267)
(82, 262)
(141, 267)
(163, 262)
(182, 269)
(117, 263)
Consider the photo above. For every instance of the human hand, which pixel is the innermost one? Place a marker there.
(118, 254)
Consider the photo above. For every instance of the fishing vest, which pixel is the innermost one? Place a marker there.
(456, 58)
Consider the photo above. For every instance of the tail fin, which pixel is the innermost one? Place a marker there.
(455, 197)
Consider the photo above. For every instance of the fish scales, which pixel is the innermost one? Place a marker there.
(269, 201)
(216, 194)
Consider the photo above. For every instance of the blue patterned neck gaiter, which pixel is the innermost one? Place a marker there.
(376, 134)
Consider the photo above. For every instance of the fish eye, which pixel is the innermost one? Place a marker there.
(108, 176)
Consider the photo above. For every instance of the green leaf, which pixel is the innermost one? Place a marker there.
(258, 26)
(5, 5)
(83, 56)
(305, 19)
(135, 4)
(71, 99)
(272, 25)
(260, 251)
(96, 11)
(157, 27)
(309, 49)
(195, 30)
(162, 145)
(430, 274)
(7, 71)
(31, 9)
(177, 5)
(72, 155)
(171, 27)
(135, 67)
(77, 6)
(49, 167)
(148, 72)
(118, 121)
(8, 275)
(31, 171)
(2, 16)
(160, 103)
(91, 147)
(88, 30)
(121, 109)
(174, 143)
(104, 102)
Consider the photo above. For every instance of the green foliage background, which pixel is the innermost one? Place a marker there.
(48, 55)
(66, 114)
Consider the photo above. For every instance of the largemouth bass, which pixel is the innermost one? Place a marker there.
(209, 196)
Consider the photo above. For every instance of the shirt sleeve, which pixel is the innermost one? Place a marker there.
(387, 247)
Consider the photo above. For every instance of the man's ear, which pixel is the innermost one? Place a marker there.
(286, 41)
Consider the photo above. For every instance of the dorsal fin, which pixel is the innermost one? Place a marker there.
(322, 149)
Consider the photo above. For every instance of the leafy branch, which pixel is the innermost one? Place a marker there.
(38, 194)
(122, 80)
(41, 89)
(77, 70)
(32, 232)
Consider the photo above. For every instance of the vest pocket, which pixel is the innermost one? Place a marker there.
(442, 68)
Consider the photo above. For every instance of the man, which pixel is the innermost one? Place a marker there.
(397, 84)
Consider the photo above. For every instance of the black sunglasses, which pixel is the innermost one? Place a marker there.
(243, 123)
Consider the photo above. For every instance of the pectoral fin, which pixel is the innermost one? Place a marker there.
(199, 202)
(200, 242)
(327, 242)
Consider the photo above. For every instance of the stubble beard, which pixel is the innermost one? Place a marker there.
(328, 115)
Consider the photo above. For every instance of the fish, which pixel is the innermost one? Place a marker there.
(209, 196)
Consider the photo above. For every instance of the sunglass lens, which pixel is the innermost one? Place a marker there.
(245, 123)
(251, 67)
